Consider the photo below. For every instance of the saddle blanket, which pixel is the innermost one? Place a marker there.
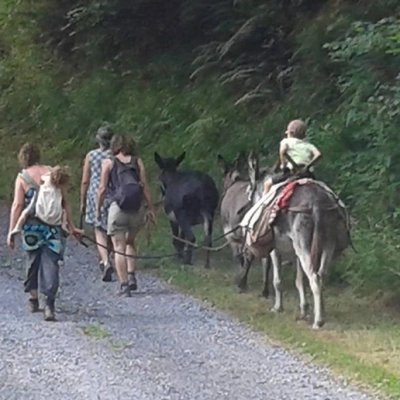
(258, 220)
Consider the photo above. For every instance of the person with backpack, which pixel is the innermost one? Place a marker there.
(46, 203)
(90, 183)
(44, 243)
(125, 178)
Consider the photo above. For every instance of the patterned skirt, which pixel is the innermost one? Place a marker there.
(90, 216)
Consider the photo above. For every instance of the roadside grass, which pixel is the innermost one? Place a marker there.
(120, 345)
(95, 332)
(361, 338)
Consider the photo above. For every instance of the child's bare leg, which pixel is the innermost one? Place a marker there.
(267, 186)
(29, 211)
(20, 223)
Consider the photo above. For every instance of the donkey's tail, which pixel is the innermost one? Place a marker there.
(317, 239)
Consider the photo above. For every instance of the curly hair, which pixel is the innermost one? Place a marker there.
(298, 129)
(29, 155)
(60, 176)
(123, 144)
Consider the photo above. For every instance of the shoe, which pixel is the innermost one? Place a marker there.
(124, 290)
(49, 314)
(132, 281)
(33, 305)
(107, 273)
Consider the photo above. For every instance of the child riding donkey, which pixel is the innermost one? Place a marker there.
(294, 219)
(300, 153)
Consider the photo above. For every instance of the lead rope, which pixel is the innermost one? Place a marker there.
(159, 257)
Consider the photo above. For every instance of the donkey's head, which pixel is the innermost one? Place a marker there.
(168, 166)
(234, 171)
(257, 177)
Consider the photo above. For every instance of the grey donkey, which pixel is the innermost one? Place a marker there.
(234, 204)
(312, 232)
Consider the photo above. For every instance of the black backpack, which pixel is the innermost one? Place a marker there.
(128, 190)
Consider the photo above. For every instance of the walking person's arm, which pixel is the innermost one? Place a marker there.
(68, 215)
(85, 183)
(105, 176)
(16, 209)
(146, 190)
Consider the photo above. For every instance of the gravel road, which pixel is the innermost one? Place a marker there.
(158, 345)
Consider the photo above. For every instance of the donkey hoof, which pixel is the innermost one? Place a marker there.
(238, 279)
(304, 313)
(318, 325)
(241, 283)
(242, 288)
(187, 261)
(265, 293)
(301, 317)
(277, 310)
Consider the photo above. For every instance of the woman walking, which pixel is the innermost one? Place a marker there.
(124, 175)
(44, 243)
(89, 188)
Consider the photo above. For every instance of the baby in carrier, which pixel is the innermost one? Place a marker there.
(47, 202)
(301, 152)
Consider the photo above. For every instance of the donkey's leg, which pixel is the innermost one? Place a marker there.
(300, 287)
(315, 283)
(266, 266)
(276, 263)
(188, 235)
(238, 255)
(178, 245)
(316, 287)
(244, 272)
(326, 259)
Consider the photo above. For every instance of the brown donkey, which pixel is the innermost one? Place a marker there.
(234, 204)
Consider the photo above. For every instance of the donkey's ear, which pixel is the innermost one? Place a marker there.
(240, 160)
(222, 163)
(252, 162)
(180, 158)
(158, 160)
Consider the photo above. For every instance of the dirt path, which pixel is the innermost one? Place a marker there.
(157, 345)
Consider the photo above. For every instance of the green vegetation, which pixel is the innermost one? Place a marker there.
(216, 76)
(95, 332)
